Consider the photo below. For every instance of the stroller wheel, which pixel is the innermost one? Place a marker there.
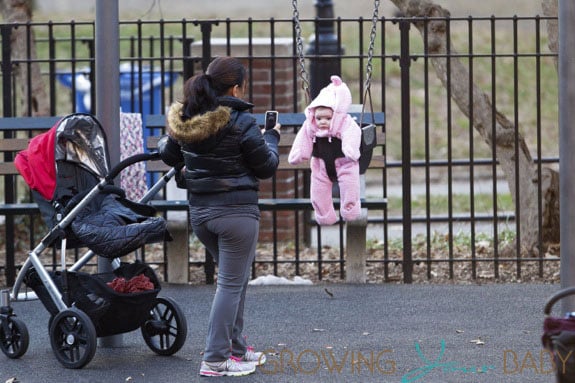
(73, 338)
(14, 338)
(166, 329)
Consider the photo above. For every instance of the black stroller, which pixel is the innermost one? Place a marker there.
(74, 188)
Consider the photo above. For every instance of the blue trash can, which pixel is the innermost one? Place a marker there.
(82, 96)
(131, 87)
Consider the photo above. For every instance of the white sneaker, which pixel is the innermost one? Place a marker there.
(231, 367)
(251, 356)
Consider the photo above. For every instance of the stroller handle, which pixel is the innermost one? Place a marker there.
(151, 156)
(557, 296)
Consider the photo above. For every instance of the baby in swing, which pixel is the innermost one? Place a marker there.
(330, 138)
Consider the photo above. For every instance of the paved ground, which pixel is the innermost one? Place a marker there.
(363, 333)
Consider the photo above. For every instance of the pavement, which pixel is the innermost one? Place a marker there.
(331, 332)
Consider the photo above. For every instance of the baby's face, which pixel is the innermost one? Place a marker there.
(323, 117)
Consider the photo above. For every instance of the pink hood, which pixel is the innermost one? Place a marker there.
(336, 96)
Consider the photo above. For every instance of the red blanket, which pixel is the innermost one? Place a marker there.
(136, 284)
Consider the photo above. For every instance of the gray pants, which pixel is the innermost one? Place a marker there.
(232, 242)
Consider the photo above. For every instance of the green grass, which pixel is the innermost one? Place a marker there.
(460, 203)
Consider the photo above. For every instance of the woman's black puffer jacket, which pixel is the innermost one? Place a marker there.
(224, 153)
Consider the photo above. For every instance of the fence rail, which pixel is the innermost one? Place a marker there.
(466, 230)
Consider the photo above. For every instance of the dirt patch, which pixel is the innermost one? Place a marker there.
(432, 268)
(427, 269)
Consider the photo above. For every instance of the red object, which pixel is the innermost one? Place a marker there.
(137, 284)
(36, 164)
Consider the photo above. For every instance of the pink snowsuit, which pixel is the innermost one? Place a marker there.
(343, 127)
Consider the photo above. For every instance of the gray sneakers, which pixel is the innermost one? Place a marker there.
(232, 367)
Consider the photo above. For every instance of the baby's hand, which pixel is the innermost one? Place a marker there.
(350, 153)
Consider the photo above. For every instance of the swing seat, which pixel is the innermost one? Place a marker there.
(368, 142)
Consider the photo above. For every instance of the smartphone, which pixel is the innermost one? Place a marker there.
(271, 119)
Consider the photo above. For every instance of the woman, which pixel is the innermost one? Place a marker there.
(225, 153)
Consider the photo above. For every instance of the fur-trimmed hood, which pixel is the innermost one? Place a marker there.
(198, 128)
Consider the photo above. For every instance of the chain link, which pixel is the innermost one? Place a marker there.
(369, 66)
(372, 37)
(299, 46)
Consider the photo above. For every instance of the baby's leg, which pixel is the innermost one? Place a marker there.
(349, 189)
(320, 193)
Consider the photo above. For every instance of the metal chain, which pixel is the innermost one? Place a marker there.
(299, 46)
(369, 66)
(372, 36)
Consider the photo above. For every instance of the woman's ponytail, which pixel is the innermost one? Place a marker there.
(199, 96)
(201, 92)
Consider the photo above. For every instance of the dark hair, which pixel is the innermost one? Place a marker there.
(201, 91)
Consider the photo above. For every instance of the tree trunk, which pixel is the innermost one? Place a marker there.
(503, 137)
(33, 99)
(550, 9)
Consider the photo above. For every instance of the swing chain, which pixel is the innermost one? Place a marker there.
(372, 37)
(300, 53)
(369, 66)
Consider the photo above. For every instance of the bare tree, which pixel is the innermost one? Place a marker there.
(502, 137)
(550, 9)
(34, 100)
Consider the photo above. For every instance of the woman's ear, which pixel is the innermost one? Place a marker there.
(237, 91)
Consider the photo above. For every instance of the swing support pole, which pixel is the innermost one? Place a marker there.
(324, 51)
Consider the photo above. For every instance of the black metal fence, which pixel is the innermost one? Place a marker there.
(450, 214)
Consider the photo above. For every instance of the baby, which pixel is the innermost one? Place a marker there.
(330, 138)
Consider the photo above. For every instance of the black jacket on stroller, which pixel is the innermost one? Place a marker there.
(115, 226)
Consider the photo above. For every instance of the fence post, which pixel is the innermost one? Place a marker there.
(404, 63)
(108, 102)
(8, 157)
(566, 140)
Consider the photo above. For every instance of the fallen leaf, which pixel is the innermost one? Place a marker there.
(328, 292)
(12, 380)
(459, 331)
(477, 341)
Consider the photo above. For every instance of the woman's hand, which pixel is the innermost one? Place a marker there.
(277, 128)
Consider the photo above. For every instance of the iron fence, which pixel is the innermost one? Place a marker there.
(451, 211)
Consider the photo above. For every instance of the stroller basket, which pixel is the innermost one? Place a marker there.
(111, 312)
(559, 338)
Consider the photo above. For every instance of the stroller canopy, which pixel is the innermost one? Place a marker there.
(77, 138)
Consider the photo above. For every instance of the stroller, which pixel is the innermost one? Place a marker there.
(559, 338)
(67, 169)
